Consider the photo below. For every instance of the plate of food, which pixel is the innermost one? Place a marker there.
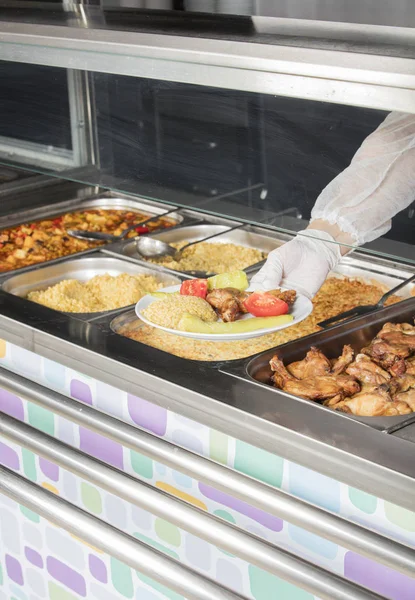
(220, 309)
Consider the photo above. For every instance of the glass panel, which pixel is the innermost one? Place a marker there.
(259, 158)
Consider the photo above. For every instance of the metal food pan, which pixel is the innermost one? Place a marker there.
(101, 202)
(358, 333)
(81, 269)
(243, 237)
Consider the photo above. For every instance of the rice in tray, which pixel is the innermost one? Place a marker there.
(211, 257)
(336, 296)
(101, 293)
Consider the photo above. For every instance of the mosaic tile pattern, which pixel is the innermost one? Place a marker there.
(43, 561)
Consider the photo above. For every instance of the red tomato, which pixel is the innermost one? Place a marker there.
(194, 287)
(142, 229)
(262, 304)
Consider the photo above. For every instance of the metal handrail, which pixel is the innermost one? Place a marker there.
(260, 495)
(248, 547)
(141, 557)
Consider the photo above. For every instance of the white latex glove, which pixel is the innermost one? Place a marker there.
(301, 264)
(378, 183)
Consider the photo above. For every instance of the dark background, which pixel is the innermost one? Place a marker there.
(199, 140)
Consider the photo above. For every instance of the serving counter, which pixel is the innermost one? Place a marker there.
(147, 468)
(187, 478)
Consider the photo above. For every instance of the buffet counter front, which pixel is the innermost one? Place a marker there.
(133, 469)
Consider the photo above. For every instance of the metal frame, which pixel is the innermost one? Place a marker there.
(253, 492)
(346, 77)
(101, 535)
(247, 547)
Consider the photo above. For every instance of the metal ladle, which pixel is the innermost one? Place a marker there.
(99, 236)
(151, 248)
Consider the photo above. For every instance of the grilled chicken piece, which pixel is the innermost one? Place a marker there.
(410, 366)
(288, 296)
(228, 302)
(315, 363)
(375, 402)
(394, 343)
(390, 357)
(367, 372)
(322, 387)
(402, 389)
(339, 365)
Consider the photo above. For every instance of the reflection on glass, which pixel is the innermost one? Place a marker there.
(259, 158)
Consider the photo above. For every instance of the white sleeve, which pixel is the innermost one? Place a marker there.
(378, 183)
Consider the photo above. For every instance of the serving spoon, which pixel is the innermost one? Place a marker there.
(362, 310)
(94, 236)
(152, 248)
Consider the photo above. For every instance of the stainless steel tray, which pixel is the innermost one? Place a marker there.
(357, 333)
(244, 237)
(380, 271)
(119, 202)
(81, 269)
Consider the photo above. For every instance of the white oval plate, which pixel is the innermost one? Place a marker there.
(301, 308)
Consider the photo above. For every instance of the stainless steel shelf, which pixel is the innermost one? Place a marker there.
(348, 74)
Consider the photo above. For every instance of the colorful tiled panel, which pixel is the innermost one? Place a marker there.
(304, 483)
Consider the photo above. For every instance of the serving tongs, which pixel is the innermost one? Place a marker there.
(368, 308)
(99, 236)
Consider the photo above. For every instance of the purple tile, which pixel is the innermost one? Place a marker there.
(33, 557)
(11, 405)
(265, 519)
(101, 447)
(8, 457)
(49, 469)
(378, 578)
(64, 574)
(14, 569)
(147, 415)
(98, 568)
(81, 391)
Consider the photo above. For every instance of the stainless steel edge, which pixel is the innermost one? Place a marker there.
(228, 537)
(105, 537)
(351, 453)
(258, 494)
(381, 82)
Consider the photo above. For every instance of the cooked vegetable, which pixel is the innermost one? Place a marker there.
(234, 279)
(262, 304)
(193, 324)
(194, 287)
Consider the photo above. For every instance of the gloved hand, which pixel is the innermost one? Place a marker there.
(301, 264)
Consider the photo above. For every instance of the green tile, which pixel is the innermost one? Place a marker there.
(121, 577)
(29, 464)
(405, 519)
(91, 498)
(265, 586)
(164, 591)
(167, 532)
(40, 418)
(258, 463)
(142, 465)
(58, 593)
(218, 446)
(29, 514)
(363, 501)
